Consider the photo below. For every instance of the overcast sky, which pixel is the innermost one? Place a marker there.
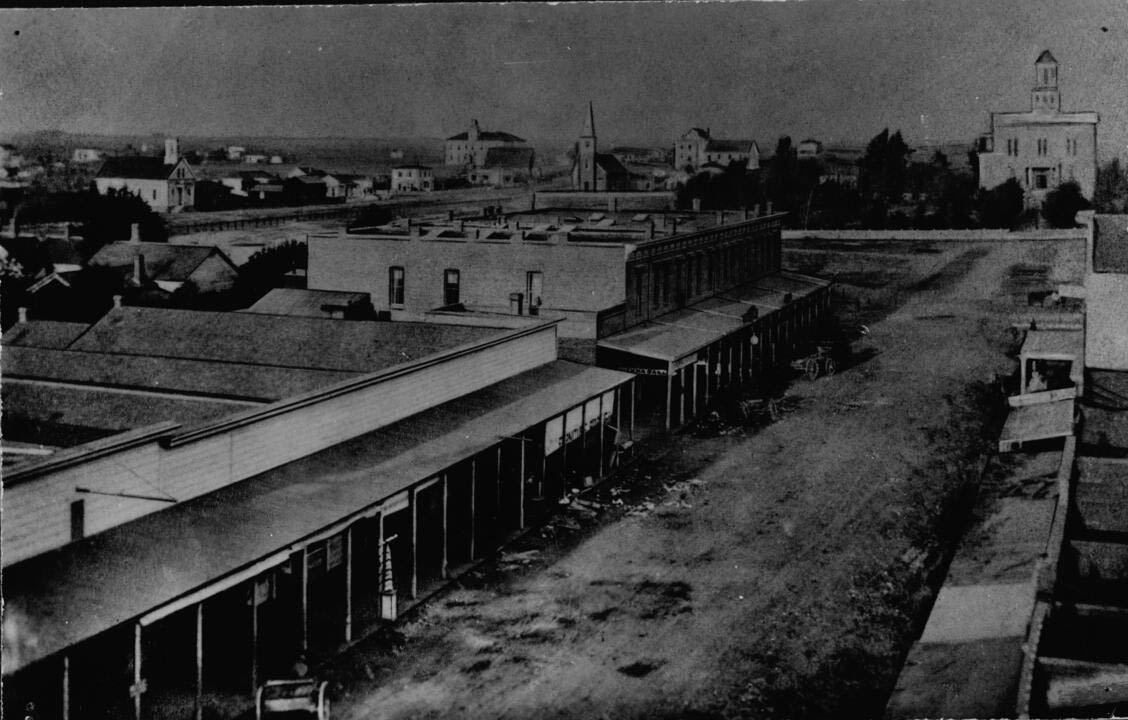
(838, 71)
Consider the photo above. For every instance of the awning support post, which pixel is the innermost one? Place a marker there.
(137, 688)
(66, 687)
(199, 661)
(414, 502)
(446, 510)
(348, 583)
(521, 490)
(473, 507)
(669, 393)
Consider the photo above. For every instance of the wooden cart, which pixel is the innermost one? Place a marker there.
(292, 699)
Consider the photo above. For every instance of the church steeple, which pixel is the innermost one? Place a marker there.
(1045, 97)
(585, 153)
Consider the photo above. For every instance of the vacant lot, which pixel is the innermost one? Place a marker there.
(771, 572)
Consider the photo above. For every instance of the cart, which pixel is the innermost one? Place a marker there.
(292, 699)
(820, 362)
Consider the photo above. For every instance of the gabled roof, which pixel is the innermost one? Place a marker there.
(1046, 57)
(492, 135)
(142, 168)
(730, 146)
(509, 157)
(610, 164)
(700, 133)
(163, 261)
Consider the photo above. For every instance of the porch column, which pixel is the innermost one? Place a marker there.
(348, 583)
(66, 687)
(413, 501)
(254, 637)
(669, 392)
(137, 688)
(633, 383)
(520, 488)
(473, 506)
(199, 660)
(708, 372)
(446, 506)
(681, 396)
(305, 601)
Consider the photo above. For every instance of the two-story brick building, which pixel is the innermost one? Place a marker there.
(1043, 147)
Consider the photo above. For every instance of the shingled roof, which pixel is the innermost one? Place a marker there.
(144, 168)
(510, 157)
(610, 164)
(163, 261)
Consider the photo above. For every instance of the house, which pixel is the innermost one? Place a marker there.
(697, 147)
(235, 152)
(1043, 147)
(504, 167)
(168, 266)
(592, 170)
(254, 159)
(165, 184)
(469, 148)
(86, 155)
(809, 149)
(412, 178)
(269, 485)
(356, 186)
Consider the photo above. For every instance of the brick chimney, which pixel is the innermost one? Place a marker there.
(696, 204)
(22, 314)
(138, 269)
(769, 210)
(117, 301)
(135, 233)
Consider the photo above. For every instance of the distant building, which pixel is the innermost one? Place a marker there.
(809, 150)
(629, 154)
(275, 159)
(412, 178)
(1043, 147)
(236, 152)
(86, 155)
(504, 166)
(254, 159)
(592, 170)
(469, 148)
(697, 147)
(165, 184)
(1106, 293)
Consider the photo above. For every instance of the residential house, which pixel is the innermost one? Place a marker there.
(412, 178)
(809, 149)
(168, 266)
(1043, 147)
(165, 184)
(504, 167)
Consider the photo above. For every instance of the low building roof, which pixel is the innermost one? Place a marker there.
(489, 136)
(64, 597)
(1110, 247)
(145, 168)
(610, 164)
(509, 157)
(305, 303)
(681, 332)
(163, 261)
(730, 146)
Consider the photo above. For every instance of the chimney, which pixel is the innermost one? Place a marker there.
(23, 314)
(697, 204)
(720, 217)
(138, 269)
(756, 210)
(135, 233)
(172, 151)
(117, 301)
(769, 210)
(744, 210)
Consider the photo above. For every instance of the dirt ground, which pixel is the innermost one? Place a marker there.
(780, 571)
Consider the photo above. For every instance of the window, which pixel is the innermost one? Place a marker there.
(451, 282)
(395, 286)
(78, 520)
(534, 287)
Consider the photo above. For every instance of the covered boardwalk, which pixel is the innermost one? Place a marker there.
(193, 607)
(687, 356)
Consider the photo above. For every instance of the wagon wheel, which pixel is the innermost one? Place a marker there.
(831, 367)
(811, 369)
(773, 409)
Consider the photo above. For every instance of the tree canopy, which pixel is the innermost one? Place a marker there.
(1062, 204)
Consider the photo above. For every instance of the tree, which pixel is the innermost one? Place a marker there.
(1111, 192)
(265, 270)
(1001, 206)
(883, 171)
(1062, 204)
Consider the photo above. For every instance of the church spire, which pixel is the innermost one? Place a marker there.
(589, 123)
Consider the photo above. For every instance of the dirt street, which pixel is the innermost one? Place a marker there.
(771, 572)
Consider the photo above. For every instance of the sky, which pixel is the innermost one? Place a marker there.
(835, 70)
